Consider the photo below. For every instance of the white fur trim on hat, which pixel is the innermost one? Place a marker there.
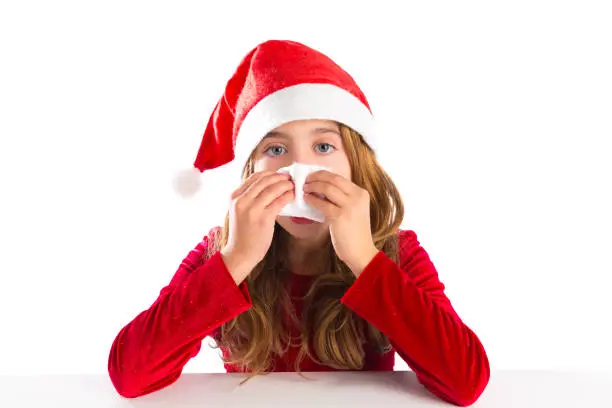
(303, 101)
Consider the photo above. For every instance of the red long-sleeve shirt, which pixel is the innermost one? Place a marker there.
(406, 301)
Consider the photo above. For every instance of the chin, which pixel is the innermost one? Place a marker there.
(302, 230)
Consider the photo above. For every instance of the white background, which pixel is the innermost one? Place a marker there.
(497, 121)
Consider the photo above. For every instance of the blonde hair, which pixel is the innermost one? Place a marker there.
(337, 333)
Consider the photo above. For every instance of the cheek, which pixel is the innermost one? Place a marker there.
(343, 167)
(347, 172)
(260, 165)
(271, 163)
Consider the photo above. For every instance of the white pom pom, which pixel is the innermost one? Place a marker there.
(187, 182)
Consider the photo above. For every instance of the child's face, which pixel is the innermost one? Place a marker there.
(311, 141)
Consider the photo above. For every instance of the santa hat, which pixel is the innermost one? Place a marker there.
(276, 82)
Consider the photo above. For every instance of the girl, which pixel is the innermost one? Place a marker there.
(280, 293)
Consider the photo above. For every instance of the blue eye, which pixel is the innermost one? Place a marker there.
(273, 147)
(277, 147)
(323, 144)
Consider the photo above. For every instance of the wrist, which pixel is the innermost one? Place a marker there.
(238, 267)
(362, 262)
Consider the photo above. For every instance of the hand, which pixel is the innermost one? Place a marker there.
(347, 206)
(253, 211)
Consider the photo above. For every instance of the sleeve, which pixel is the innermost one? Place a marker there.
(149, 353)
(407, 303)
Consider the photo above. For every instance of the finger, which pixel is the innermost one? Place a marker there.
(272, 192)
(336, 179)
(248, 182)
(277, 205)
(330, 210)
(260, 185)
(254, 186)
(331, 192)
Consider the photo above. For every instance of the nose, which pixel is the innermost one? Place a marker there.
(303, 153)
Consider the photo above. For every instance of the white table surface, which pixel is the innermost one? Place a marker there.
(516, 389)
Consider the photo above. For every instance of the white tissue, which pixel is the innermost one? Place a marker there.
(298, 207)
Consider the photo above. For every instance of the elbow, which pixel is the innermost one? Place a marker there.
(466, 399)
(464, 391)
(475, 377)
(131, 380)
(133, 386)
(123, 379)
(468, 393)
(129, 383)
(123, 372)
(126, 387)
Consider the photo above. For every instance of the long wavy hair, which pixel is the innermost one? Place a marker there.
(337, 333)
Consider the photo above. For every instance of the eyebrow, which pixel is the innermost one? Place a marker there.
(317, 131)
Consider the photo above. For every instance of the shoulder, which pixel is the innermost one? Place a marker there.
(210, 239)
(409, 248)
(212, 234)
(406, 238)
(406, 235)
(415, 261)
(202, 250)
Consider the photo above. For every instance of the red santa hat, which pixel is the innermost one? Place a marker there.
(276, 82)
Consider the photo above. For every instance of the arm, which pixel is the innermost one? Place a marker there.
(408, 304)
(149, 353)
